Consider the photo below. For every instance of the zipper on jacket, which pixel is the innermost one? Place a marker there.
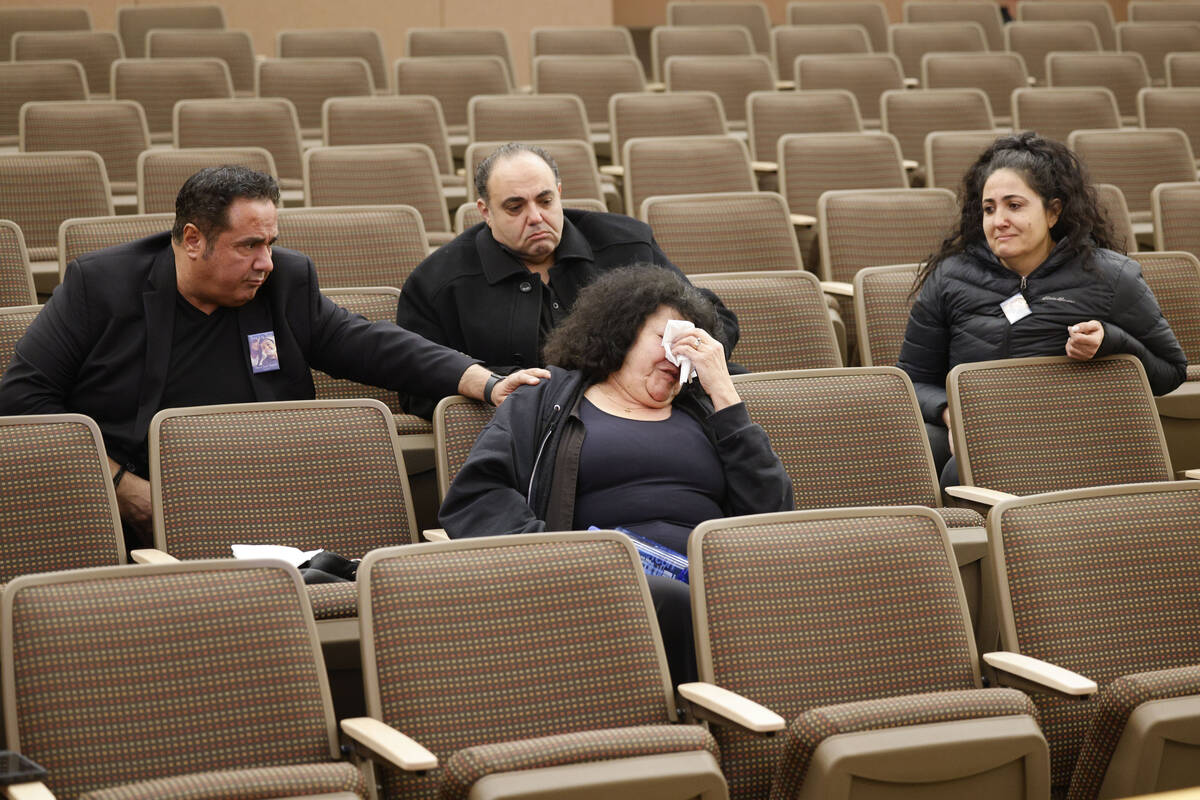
(1023, 284)
(555, 412)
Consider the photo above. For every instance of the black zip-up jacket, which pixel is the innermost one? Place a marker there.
(478, 298)
(522, 472)
(957, 318)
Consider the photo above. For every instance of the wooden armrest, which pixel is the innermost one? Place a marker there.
(839, 288)
(151, 555)
(28, 791)
(1193, 473)
(1040, 673)
(978, 494)
(724, 707)
(461, 172)
(803, 220)
(384, 741)
(435, 535)
(613, 170)
(764, 166)
(656, 86)
(785, 85)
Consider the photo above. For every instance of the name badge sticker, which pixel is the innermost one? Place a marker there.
(264, 357)
(1015, 308)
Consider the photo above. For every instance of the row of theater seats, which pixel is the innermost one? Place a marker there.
(470, 644)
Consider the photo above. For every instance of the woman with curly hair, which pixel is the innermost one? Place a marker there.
(1033, 269)
(616, 439)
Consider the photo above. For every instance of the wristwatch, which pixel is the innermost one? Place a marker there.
(489, 386)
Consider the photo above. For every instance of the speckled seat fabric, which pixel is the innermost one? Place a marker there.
(183, 681)
(634, 115)
(453, 80)
(865, 75)
(696, 40)
(457, 423)
(235, 48)
(594, 78)
(356, 246)
(1102, 581)
(84, 235)
(162, 171)
(1055, 111)
(851, 624)
(882, 301)
(528, 658)
(267, 122)
(1029, 425)
(870, 14)
(16, 280)
(25, 81)
(732, 78)
(157, 84)
(911, 115)
(771, 115)
(1124, 73)
(364, 43)
(308, 82)
(1136, 161)
(684, 165)
(94, 50)
(996, 73)
(116, 129)
(910, 41)
(1154, 40)
(134, 23)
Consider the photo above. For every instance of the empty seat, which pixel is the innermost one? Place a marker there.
(732, 78)
(1035, 40)
(87, 234)
(813, 163)
(911, 115)
(135, 22)
(1124, 73)
(457, 423)
(43, 18)
(235, 48)
(790, 41)
(577, 169)
(357, 245)
(1154, 40)
(1135, 161)
(949, 154)
(910, 41)
(43, 189)
(16, 280)
(1183, 69)
(1176, 208)
(783, 320)
(421, 42)
(685, 165)
(985, 14)
(453, 80)
(594, 78)
(611, 40)
(378, 174)
(1053, 112)
(1177, 107)
(363, 43)
(1112, 203)
(515, 118)
(1156, 11)
(159, 83)
(162, 171)
(28, 81)
(116, 129)
(94, 50)
(997, 74)
(752, 16)
(883, 298)
(268, 122)
(871, 15)
(866, 76)
(707, 40)
(1097, 12)
(308, 82)
(14, 320)
(770, 115)
(644, 114)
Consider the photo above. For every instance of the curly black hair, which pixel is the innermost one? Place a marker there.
(1051, 170)
(609, 314)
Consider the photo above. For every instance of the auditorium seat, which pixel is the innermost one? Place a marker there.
(872, 664)
(1098, 12)
(696, 40)
(157, 84)
(1053, 112)
(456, 42)
(949, 154)
(453, 80)
(457, 423)
(135, 22)
(813, 163)
(1035, 40)
(911, 114)
(308, 82)
(600, 40)
(638, 115)
(363, 43)
(519, 118)
(582, 704)
(732, 78)
(1183, 69)
(1123, 73)
(684, 165)
(94, 50)
(87, 234)
(770, 115)
(162, 172)
(29, 81)
(910, 41)
(790, 41)
(268, 122)
(866, 75)
(595, 79)
(235, 48)
(1177, 107)
(40, 18)
(16, 279)
(13, 322)
(750, 15)
(998, 74)
(356, 245)
(986, 14)
(883, 298)
(1154, 40)
(870, 14)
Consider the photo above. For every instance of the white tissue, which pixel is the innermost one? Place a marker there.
(676, 328)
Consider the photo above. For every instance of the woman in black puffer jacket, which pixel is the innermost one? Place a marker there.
(1032, 270)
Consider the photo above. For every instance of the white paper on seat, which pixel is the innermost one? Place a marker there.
(293, 555)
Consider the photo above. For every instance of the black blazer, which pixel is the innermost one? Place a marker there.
(102, 344)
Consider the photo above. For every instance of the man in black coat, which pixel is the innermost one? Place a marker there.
(173, 320)
(501, 286)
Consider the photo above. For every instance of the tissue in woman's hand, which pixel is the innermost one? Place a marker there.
(676, 328)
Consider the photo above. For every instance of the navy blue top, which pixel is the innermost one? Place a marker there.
(658, 479)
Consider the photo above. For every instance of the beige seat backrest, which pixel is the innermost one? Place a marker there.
(43, 189)
(577, 169)
(910, 115)
(364, 43)
(594, 78)
(732, 78)
(790, 41)
(162, 171)
(998, 74)
(1053, 112)
(697, 40)
(391, 119)
(115, 129)
(1112, 202)
(1156, 11)
(883, 298)
(1124, 73)
(40, 18)
(421, 42)
(685, 165)
(985, 14)
(949, 154)
(16, 280)
(94, 50)
(770, 115)
(638, 115)
(750, 15)
(308, 82)
(457, 423)
(1177, 107)
(1154, 40)
(14, 321)
(867, 76)
(28, 81)
(135, 22)
(453, 80)
(1035, 40)
(1135, 161)
(235, 48)
(1097, 12)
(871, 15)
(813, 163)
(521, 117)
(157, 84)
(85, 235)
(357, 245)
(910, 41)
(1174, 277)
(614, 40)
(267, 122)
(1183, 69)
(1177, 216)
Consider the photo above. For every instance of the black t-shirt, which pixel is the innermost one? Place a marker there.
(658, 479)
(209, 359)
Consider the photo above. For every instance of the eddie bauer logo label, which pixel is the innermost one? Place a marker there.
(1058, 298)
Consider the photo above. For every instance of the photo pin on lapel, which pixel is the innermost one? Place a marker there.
(264, 357)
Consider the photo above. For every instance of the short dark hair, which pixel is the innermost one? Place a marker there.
(1051, 170)
(609, 314)
(484, 170)
(205, 198)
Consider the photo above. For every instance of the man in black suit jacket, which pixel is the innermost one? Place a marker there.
(170, 320)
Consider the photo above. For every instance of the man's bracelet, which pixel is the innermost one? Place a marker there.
(120, 474)
(489, 386)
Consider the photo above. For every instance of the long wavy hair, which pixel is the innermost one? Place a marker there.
(1054, 173)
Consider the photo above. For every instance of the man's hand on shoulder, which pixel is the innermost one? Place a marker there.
(476, 379)
(519, 378)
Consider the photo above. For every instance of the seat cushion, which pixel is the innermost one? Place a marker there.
(807, 731)
(960, 517)
(267, 783)
(333, 600)
(473, 763)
